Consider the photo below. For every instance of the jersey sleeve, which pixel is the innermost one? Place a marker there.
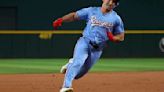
(119, 28)
(83, 13)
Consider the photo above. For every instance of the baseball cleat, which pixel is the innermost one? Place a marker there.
(66, 90)
(63, 69)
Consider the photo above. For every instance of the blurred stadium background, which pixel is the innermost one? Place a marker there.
(21, 22)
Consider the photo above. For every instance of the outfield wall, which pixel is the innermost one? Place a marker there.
(138, 15)
(61, 45)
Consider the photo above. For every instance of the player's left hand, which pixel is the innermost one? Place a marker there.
(57, 23)
(110, 36)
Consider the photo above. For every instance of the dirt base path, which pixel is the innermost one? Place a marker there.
(92, 82)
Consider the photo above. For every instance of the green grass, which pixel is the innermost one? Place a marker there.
(119, 65)
(27, 66)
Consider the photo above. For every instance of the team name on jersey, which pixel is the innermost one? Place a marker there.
(95, 22)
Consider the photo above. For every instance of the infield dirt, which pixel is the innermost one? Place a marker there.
(92, 82)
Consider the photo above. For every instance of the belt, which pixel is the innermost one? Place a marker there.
(94, 45)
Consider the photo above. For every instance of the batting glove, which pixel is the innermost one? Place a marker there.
(110, 36)
(57, 23)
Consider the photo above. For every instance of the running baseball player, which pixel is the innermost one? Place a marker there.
(102, 24)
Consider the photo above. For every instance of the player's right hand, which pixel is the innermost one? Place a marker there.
(57, 23)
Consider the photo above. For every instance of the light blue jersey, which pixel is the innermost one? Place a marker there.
(98, 23)
(89, 48)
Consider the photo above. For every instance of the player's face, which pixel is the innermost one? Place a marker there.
(108, 4)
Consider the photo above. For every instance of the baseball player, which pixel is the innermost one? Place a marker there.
(102, 24)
